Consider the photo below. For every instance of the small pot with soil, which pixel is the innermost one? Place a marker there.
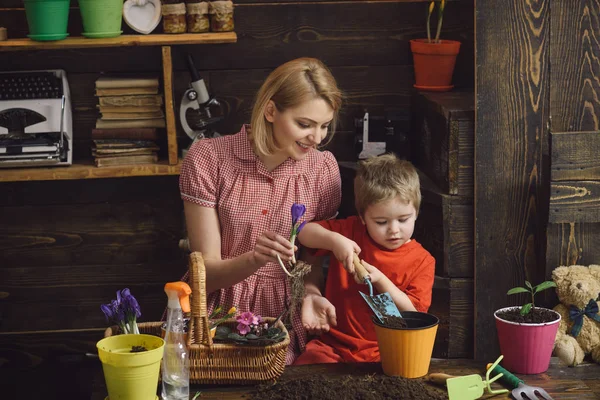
(131, 365)
(406, 344)
(526, 341)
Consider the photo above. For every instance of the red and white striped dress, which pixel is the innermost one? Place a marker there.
(225, 173)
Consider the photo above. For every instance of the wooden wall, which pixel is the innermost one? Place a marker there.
(511, 153)
(574, 229)
(66, 247)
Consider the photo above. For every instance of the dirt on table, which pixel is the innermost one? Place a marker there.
(348, 387)
(537, 315)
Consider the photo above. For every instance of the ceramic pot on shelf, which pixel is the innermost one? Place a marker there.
(434, 64)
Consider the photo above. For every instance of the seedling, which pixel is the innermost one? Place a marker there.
(533, 290)
(441, 8)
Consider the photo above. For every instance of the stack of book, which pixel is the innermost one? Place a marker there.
(129, 103)
(112, 150)
(131, 112)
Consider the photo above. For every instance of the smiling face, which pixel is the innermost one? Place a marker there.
(390, 223)
(300, 129)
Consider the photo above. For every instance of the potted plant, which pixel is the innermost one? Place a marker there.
(250, 330)
(130, 360)
(526, 333)
(47, 19)
(433, 58)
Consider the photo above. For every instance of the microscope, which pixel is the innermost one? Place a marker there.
(198, 108)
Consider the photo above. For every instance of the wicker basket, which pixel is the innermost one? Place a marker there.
(221, 363)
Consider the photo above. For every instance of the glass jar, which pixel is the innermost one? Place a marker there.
(221, 16)
(174, 18)
(197, 17)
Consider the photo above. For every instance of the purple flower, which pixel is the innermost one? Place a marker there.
(121, 294)
(123, 311)
(243, 328)
(300, 227)
(131, 306)
(298, 211)
(118, 311)
(108, 312)
(247, 318)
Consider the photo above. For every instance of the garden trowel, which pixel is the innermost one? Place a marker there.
(382, 304)
(467, 387)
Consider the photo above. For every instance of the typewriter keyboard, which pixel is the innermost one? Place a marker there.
(30, 85)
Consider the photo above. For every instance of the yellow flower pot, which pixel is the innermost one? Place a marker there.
(131, 376)
(406, 352)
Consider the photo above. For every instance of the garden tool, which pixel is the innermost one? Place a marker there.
(519, 387)
(382, 304)
(468, 387)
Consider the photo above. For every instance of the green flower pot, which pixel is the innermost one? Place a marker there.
(101, 18)
(47, 19)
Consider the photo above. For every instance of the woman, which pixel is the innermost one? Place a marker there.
(238, 190)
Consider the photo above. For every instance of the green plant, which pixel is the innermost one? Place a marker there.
(526, 308)
(439, 23)
(214, 321)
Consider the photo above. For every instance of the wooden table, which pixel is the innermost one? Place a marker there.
(559, 381)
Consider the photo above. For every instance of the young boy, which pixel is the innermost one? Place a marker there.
(387, 197)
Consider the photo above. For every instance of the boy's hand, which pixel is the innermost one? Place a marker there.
(375, 274)
(343, 249)
(318, 314)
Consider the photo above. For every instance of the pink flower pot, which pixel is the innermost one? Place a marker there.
(527, 348)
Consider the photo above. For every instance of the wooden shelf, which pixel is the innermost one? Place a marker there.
(87, 171)
(172, 165)
(120, 41)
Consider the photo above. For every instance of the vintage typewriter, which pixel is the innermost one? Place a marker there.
(36, 127)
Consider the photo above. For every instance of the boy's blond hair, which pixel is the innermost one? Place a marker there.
(290, 85)
(383, 178)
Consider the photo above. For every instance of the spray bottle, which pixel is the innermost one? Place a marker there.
(175, 364)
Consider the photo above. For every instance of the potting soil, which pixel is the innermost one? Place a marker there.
(368, 387)
(535, 316)
(392, 321)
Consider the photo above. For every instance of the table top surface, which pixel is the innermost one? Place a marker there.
(560, 381)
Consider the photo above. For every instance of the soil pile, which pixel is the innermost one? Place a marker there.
(369, 387)
(535, 316)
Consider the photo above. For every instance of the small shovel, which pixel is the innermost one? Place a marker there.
(382, 305)
(468, 387)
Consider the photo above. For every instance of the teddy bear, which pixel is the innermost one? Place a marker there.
(578, 290)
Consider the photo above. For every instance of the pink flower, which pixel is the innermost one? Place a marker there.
(243, 329)
(247, 318)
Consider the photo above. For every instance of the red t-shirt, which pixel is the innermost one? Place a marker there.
(410, 267)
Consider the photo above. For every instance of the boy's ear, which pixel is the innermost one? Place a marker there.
(270, 111)
(362, 219)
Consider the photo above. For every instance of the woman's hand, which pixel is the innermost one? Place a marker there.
(269, 245)
(343, 249)
(318, 314)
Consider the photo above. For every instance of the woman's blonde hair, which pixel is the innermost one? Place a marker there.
(383, 178)
(288, 86)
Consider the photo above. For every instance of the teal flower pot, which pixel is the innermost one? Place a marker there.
(47, 19)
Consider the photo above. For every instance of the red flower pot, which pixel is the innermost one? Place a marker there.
(527, 348)
(434, 63)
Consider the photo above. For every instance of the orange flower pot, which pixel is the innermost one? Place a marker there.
(406, 352)
(434, 64)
